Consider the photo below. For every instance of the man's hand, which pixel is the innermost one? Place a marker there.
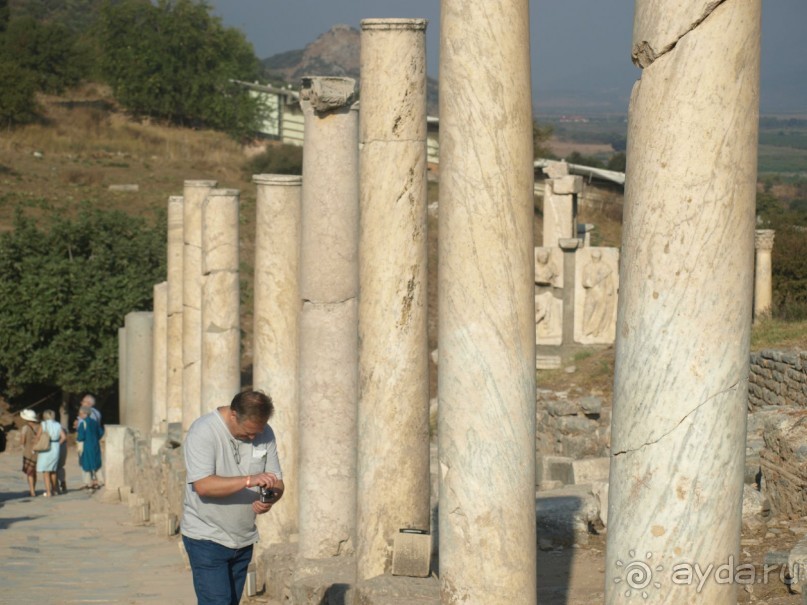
(260, 507)
(268, 480)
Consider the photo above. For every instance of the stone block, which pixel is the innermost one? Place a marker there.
(564, 516)
(278, 562)
(784, 461)
(411, 554)
(323, 580)
(600, 491)
(553, 468)
(591, 406)
(797, 567)
(547, 362)
(590, 470)
(124, 491)
(567, 185)
(562, 407)
(395, 590)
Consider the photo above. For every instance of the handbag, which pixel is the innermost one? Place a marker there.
(42, 444)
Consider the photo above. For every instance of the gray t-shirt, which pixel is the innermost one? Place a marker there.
(210, 449)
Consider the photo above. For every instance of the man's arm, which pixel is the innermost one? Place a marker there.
(214, 486)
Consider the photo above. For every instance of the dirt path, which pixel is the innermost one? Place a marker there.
(76, 549)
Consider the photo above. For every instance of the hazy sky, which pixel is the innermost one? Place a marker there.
(577, 45)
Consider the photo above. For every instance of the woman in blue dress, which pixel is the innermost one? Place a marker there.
(47, 461)
(89, 433)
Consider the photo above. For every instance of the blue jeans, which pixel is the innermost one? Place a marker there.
(219, 573)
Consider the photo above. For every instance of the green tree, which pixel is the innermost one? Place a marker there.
(175, 61)
(47, 50)
(17, 94)
(66, 289)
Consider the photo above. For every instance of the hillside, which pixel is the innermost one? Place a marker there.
(86, 144)
(334, 53)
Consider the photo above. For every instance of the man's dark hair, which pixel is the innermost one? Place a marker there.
(253, 405)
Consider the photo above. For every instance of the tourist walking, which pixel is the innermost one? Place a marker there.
(27, 438)
(47, 461)
(230, 457)
(89, 434)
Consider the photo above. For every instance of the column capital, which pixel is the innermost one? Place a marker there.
(394, 24)
(763, 239)
(278, 180)
(325, 93)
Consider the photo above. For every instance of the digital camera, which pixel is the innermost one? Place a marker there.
(267, 495)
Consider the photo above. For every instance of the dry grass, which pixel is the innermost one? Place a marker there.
(772, 333)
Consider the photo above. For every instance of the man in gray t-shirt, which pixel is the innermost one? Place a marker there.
(230, 456)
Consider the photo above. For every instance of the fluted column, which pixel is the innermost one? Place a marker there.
(763, 274)
(393, 435)
(194, 193)
(174, 249)
(276, 293)
(328, 322)
(684, 310)
(159, 359)
(139, 339)
(486, 422)
(220, 320)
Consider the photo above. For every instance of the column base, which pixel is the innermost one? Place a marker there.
(318, 581)
(396, 590)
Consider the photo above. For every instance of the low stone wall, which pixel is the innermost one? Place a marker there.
(777, 378)
(572, 424)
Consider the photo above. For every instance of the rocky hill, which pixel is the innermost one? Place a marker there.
(334, 53)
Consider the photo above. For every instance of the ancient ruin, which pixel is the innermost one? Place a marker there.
(703, 438)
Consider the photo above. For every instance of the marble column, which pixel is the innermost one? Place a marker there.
(220, 320)
(159, 423)
(173, 389)
(328, 322)
(486, 392)
(763, 284)
(684, 310)
(393, 416)
(276, 317)
(139, 339)
(122, 402)
(194, 193)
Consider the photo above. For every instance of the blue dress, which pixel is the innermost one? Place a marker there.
(46, 462)
(90, 432)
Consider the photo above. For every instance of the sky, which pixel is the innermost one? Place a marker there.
(579, 48)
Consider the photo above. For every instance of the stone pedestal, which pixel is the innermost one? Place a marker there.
(194, 193)
(276, 293)
(684, 312)
(159, 419)
(328, 324)
(560, 207)
(221, 324)
(119, 452)
(763, 285)
(486, 423)
(139, 340)
(173, 389)
(393, 452)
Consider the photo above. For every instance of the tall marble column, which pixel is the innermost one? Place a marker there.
(194, 193)
(159, 422)
(393, 423)
(137, 412)
(122, 401)
(684, 310)
(276, 316)
(173, 389)
(486, 419)
(328, 323)
(763, 284)
(220, 320)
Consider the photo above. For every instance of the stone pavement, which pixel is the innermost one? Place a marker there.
(77, 549)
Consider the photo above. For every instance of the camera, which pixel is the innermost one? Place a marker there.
(267, 495)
